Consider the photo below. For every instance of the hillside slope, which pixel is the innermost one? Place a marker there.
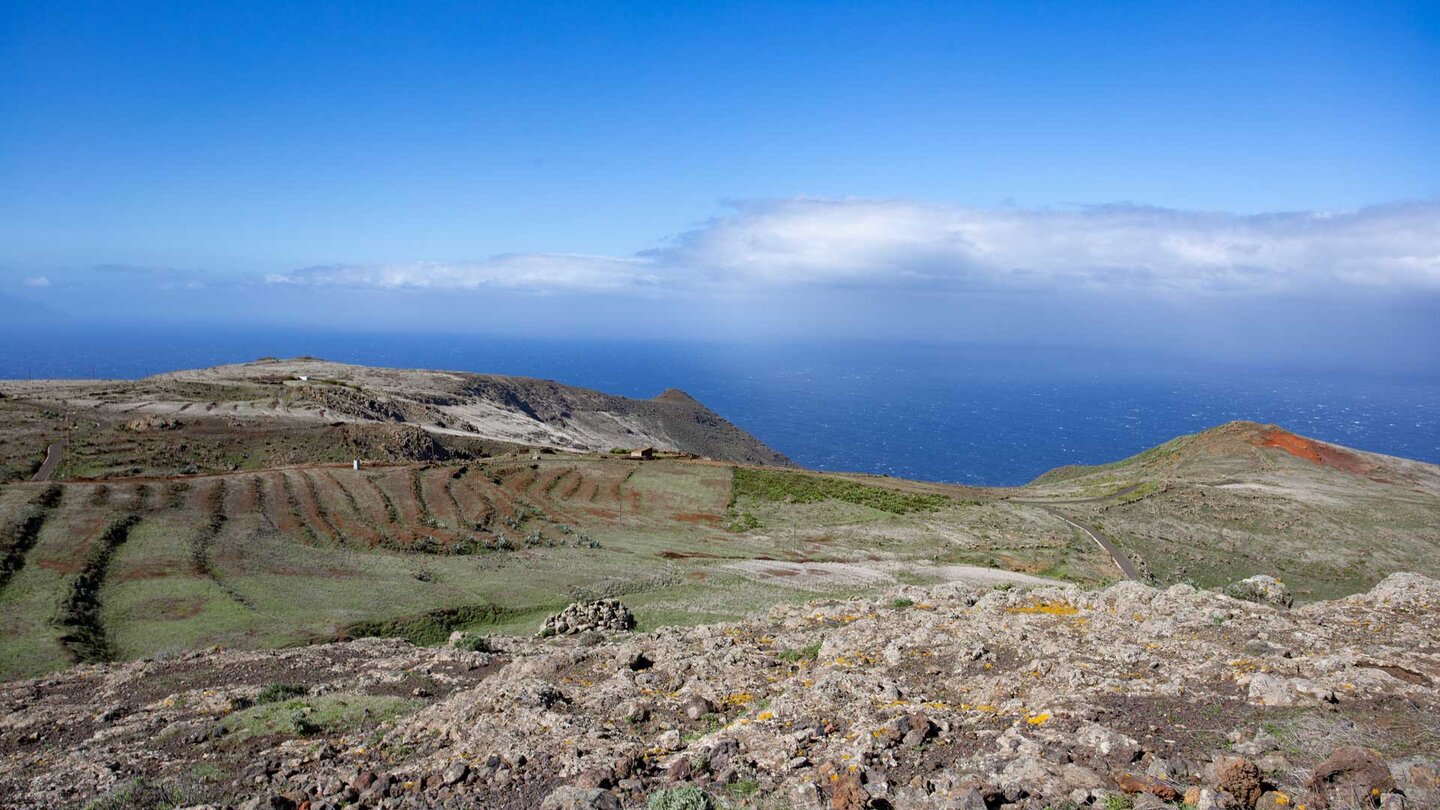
(283, 550)
(942, 698)
(515, 410)
(1246, 498)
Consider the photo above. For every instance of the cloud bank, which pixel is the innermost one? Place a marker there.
(846, 243)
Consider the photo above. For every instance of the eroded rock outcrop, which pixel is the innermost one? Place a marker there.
(962, 698)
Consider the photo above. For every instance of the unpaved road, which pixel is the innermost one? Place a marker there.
(52, 459)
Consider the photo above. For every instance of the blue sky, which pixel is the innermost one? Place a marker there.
(812, 167)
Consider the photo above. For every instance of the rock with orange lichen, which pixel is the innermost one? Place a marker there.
(1075, 697)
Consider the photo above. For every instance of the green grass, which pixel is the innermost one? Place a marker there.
(744, 788)
(664, 549)
(792, 487)
(681, 798)
(474, 642)
(430, 628)
(276, 692)
(324, 715)
(807, 653)
(152, 794)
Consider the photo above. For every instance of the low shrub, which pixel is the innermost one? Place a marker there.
(807, 653)
(277, 692)
(473, 642)
(683, 798)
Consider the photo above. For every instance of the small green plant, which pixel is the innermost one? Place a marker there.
(684, 798)
(744, 522)
(709, 724)
(900, 603)
(327, 714)
(1115, 802)
(807, 653)
(744, 788)
(277, 692)
(473, 642)
(143, 792)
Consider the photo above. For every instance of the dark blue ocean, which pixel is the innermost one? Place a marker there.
(968, 414)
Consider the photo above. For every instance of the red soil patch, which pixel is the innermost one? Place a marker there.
(155, 570)
(1312, 451)
(591, 490)
(572, 486)
(277, 506)
(351, 524)
(546, 482)
(520, 483)
(435, 488)
(696, 575)
(63, 566)
(368, 507)
(397, 487)
(240, 498)
(475, 504)
(311, 509)
(698, 517)
(782, 572)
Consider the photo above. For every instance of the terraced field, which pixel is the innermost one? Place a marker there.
(127, 568)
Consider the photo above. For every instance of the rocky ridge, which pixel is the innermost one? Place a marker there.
(949, 697)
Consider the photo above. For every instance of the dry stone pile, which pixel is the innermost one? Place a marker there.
(580, 617)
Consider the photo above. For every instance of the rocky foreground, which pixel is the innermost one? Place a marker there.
(943, 698)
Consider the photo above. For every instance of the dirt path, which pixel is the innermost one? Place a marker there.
(52, 460)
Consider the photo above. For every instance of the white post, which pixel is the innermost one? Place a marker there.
(357, 465)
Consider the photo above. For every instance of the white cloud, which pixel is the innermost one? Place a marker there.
(36, 281)
(890, 243)
(532, 271)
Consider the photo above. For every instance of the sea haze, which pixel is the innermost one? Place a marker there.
(967, 414)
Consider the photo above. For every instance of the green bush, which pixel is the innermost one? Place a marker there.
(807, 653)
(685, 798)
(327, 714)
(902, 602)
(276, 692)
(791, 487)
(429, 628)
(744, 522)
(473, 642)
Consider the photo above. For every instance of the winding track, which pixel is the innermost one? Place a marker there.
(52, 459)
(1116, 556)
(1120, 560)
